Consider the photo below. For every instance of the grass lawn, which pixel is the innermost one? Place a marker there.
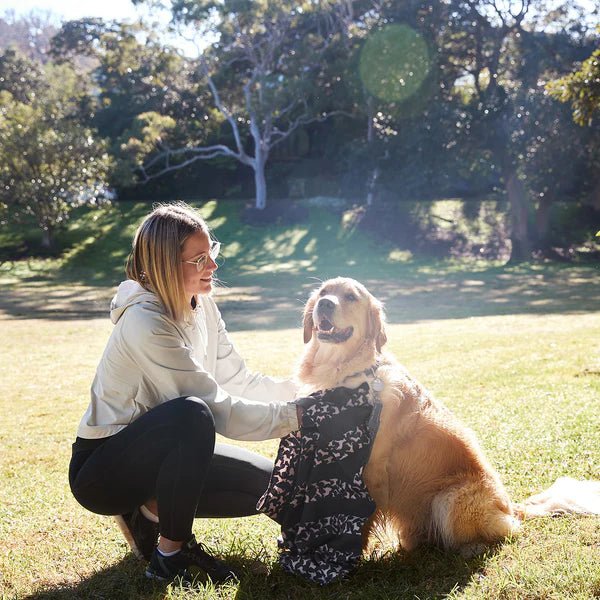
(514, 351)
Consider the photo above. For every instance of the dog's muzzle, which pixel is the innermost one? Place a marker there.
(326, 330)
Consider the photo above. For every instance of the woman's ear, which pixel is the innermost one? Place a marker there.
(309, 324)
(377, 324)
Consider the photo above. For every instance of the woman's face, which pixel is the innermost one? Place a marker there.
(194, 281)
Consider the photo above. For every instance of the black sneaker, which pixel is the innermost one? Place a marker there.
(192, 556)
(141, 533)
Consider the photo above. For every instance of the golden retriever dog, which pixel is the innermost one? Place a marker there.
(427, 473)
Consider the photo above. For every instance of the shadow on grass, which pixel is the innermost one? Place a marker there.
(421, 294)
(423, 574)
(270, 301)
(426, 573)
(99, 258)
(122, 580)
(268, 273)
(62, 303)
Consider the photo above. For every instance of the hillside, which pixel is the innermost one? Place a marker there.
(267, 272)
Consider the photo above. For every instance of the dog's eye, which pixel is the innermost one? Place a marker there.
(351, 297)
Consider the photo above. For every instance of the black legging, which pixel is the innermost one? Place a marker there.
(169, 454)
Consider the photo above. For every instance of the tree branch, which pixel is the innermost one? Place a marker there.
(224, 111)
(304, 120)
(199, 153)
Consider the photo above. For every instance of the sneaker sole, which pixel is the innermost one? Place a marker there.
(152, 575)
(184, 580)
(127, 534)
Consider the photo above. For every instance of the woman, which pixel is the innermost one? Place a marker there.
(168, 379)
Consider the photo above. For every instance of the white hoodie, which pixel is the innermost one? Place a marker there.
(150, 359)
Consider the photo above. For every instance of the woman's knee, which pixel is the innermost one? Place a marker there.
(193, 415)
(250, 471)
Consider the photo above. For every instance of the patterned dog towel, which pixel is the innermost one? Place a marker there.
(316, 492)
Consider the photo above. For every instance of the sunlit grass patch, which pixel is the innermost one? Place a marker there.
(519, 381)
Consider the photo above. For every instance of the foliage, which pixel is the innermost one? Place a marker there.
(481, 122)
(49, 162)
(145, 88)
(559, 171)
(22, 77)
(328, 99)
(581, 89)
(261, 72)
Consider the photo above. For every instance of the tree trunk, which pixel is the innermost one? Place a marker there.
(260, 182)
(519, 214)
(372, 184)
(542, 224)
(370, 137)
(261, 153)
(370, 111)
(47, 238)
(595, 197)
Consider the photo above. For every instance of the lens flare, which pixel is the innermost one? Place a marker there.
(394, 62)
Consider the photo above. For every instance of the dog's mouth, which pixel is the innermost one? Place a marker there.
(328, 332)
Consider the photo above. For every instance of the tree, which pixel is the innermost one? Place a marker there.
(29, 34)
(562, 166)
(22, 77)
(397, 89)
(502, 62)
(49, 162)
(581, 89)
(259, 73)
(144, 89)
(481, 119)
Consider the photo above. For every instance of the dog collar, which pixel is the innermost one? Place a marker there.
(376, 385)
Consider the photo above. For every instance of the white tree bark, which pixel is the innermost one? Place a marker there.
(270, 120)
(261, 184)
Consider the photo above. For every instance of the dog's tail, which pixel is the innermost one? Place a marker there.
(565, 496)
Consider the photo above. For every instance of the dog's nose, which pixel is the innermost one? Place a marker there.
(326, 304)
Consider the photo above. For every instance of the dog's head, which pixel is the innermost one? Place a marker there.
(342, 311)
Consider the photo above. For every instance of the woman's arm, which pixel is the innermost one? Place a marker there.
(170, 370)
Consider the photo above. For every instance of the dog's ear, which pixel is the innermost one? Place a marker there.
(381, 339)
(309, 324)
(377, 324)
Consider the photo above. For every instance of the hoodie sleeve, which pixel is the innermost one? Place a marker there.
(231, 372)
(169, 369)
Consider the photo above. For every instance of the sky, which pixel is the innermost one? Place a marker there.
(66, 10)
(74, 9)
(108, 9)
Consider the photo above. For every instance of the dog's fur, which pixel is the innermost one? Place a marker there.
(427, 474)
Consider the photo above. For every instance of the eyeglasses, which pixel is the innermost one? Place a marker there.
(200, 262)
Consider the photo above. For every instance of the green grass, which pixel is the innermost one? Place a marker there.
(514, 351)
(528, 385)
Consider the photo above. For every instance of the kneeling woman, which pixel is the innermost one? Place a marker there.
(168, 379)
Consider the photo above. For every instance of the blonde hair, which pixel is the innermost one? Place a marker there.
(155, 259)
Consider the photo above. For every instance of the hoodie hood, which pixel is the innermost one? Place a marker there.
(128, 293)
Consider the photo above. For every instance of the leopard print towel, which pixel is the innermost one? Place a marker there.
(316, 492)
